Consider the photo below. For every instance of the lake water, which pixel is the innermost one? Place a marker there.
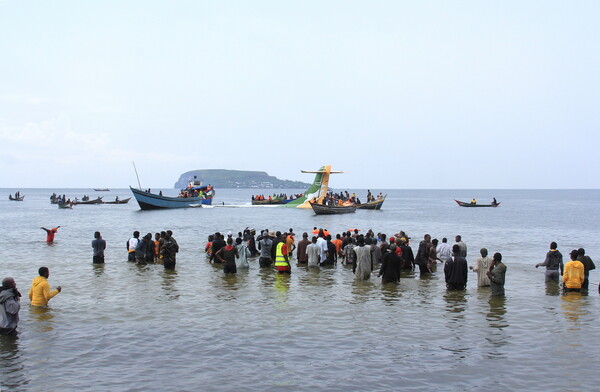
(122, 327)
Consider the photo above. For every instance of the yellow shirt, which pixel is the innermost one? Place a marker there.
(39, 293)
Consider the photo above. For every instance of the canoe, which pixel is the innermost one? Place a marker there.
(152, 201)
(124, 201)
(95, 201)
(102, 189)
(372, 205)
(267, 202)
(64, 205)
(463, 204)
(321, 209)
(10, 197)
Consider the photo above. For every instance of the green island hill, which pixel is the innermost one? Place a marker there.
(220, 178)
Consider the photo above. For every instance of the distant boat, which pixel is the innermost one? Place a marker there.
(95, 201)
(321, 209)
(20, 198)
(152, 201)
(64, 205)
(102, 189)
(372, 205)
(124, 201)
(464, 204)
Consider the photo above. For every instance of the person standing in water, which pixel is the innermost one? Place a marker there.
(39, 293)
(482, 266)
(50, 233)
(98, 245)
(227, 256)
(497, 275)
(553, 263)
(574, 274)
(9, 306)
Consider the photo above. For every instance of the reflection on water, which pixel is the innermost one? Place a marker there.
(282, 286)
(98, 269)
(168, 284)
(553, 288)
(496, 335)
(12, 375)
(391, 293)
(42, 317)
(573, 306)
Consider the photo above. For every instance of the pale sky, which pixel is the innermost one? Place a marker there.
(399, 94)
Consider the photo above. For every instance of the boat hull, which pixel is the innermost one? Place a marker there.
(321, 209)
(95, 201)
(151, 201)
(124, 201)
(373, 205)
(463, 204)
(16, 198)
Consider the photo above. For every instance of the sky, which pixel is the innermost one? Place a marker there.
(398, 94)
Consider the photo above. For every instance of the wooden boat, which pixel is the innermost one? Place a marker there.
(95, 201)
(268, 202)
(20, 198)
(372, 205)
(124, 201)
(321, 209)
(463, 204)
(102, 189)
(152, 201)
(64, 205)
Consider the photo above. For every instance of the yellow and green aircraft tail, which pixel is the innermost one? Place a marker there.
(318, 189)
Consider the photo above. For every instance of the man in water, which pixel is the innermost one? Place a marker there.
(482, 267)
(463, 246)
(390, 266)
(301, 255)
(132, 243)
(313, 253)
(444, 250)
(422, 257)
(9, 306)
(553, 263)
(98, 245)
(282, 261)
(169, 250)
(588, 265)
(227, 256)
(39, 293)
(455, 270)
(50, 233)
(497, 275)
(217, 244)
(265, 245)
(574, 274)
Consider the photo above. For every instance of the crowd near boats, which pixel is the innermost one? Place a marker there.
(281, 198)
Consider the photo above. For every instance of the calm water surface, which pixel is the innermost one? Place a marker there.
(121, 327)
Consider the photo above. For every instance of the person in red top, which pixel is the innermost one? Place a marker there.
(50, 233)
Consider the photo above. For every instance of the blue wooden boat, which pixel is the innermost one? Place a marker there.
(152, 201)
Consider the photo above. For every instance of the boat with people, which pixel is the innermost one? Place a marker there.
(258, 200)
(102, 189)
(117, 201)
(325, 209)
(373, 204)
(65, 205)
(474, 203)
(17, 197)
(195, 193)
(94, 201)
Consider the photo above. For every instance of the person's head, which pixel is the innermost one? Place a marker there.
(314, 239)
(97, 235)
(338, 236)
(304, 235)
(136, 234)
(382, 236)
(156, 236)
(360, 240)
(484, 252)
(581, 252)
(444, 240)
(321, 233)
(278, 234)
(553, 245)
(574, 254)
(427, 238)
(45, 272)
(170, 233)
(356, 231)
(291, 231)
(328, 238)
(393, 248)
(211, 238)
(458, 238)
(368, 240)
(8, 283)
(163, 234)
(229, 240)
(497, 257)
(167, 235)
(456, 249)
(238, 241)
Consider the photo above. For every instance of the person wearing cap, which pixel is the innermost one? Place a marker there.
(9, 306)
(265, 245)
(282, 261)
(390, 266)
(408, 256)
(482, 267)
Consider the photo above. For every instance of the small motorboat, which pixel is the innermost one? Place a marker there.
(117, 201)
(372, 205)
(95, 201)
(20, 198)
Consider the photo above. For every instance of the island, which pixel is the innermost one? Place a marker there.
(220, 178)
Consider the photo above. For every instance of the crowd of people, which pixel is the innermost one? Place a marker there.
(162, 249)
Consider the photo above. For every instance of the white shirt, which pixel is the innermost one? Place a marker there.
(444, 251)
